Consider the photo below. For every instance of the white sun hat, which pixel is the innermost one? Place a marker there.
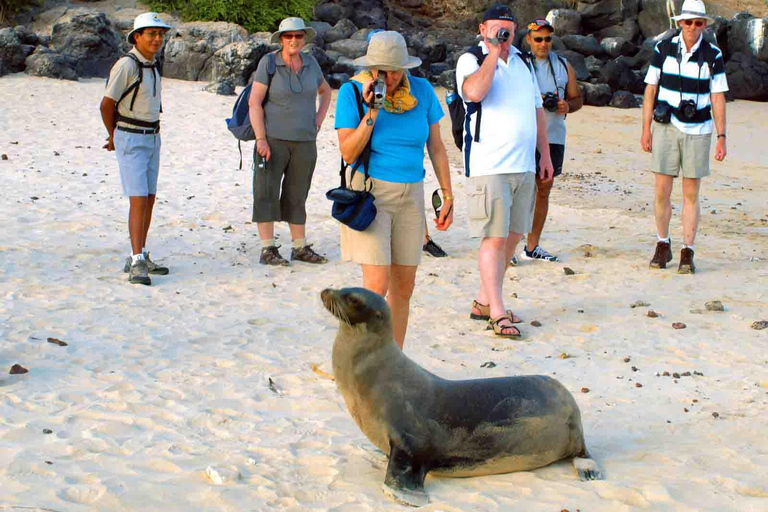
(292, 25)
(693, 9)
(146, 20)
(387, 51)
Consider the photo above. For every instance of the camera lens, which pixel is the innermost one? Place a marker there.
(502, 35)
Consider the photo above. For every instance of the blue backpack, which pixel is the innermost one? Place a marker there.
(240, 123)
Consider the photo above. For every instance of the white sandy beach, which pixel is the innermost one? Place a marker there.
(159, 383)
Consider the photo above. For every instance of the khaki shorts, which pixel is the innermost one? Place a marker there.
(501, 204)
(396, 235)
(673, 150)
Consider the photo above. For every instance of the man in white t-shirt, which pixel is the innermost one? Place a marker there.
(504, 126)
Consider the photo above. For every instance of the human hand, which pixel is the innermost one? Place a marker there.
(368, 90)
(446, 215)
(720, 149)
(562, 107)
(645, 141)
(319, 121)
(110, 145)
(262, 148)
(546, 169)
(494, 47)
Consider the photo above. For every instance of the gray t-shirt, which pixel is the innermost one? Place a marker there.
(289, 113)
(555, 122)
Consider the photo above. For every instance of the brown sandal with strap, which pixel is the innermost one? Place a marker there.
(499, 330)
(485, 313)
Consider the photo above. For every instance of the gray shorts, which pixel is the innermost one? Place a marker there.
(138, 157)
(674, 150)
(280, 190)
(501, 204)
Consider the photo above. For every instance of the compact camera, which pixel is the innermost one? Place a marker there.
(686, 111)
(662, 113)
(379, 91)
(550, 101)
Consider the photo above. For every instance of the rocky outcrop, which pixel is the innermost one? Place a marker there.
(597, 95)
(235, 62)
(51, 64)
(190, 45)
(13, 52)
(747, 34)
(91, 40)
(747, 77)
(653, 17)
(565, 21)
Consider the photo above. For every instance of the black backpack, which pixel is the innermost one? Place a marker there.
(134, 88)
(456, 109)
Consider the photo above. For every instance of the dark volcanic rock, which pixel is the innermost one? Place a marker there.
(605, 13)
(598, 95)
(341, 30)
(13, 52)
(234, 62)
(349, 48)
(565, 21)
(91, 40)
(585, 45)
(624, 99)
(190, 45)
(653, 18)
(330, 12)
(221, 87)
(628, 29)
(618, 74)
(578, 62)
(746, 34)
(336, 80)
(618, 46)
(51, 64)
(747, 77)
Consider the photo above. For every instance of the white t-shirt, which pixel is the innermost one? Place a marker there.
(147, 105)
(508, 124)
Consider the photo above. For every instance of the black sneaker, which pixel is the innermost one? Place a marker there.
(662, 256)
(537, 254)
(433, 249)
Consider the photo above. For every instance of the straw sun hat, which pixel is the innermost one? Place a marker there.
(693, 9)
(292, 25)
(387, 51)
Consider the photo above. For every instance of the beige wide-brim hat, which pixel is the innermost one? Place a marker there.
(387, 51)
(693, 9)
(146, 20)
(292, 25)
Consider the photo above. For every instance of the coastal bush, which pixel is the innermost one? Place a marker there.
(10, 7)
(253, 15)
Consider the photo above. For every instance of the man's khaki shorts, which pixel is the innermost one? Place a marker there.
(396, 235)
(674, 150)
(501, 204)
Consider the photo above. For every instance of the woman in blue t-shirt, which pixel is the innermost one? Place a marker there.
(389, 250)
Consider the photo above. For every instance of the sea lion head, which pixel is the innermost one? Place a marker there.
(357, 306)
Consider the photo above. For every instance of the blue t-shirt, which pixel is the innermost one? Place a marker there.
(398, 140)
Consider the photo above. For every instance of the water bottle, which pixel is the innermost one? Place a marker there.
(450, 97)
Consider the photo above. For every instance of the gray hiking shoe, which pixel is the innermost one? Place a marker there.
(139, 273)
(152, 267)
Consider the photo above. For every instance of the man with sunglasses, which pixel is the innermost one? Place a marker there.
(504, 126)
(685, 92)
(557, 83)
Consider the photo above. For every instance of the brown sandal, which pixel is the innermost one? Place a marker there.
(485, 313)
(499, 330)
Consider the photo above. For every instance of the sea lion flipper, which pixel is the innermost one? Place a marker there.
(587, 468)
(405, 479)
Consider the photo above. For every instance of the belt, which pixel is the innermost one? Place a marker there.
(148, 131)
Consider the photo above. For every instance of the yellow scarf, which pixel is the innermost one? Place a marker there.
(401, 100)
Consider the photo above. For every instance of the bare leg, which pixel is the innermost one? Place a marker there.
(297, 231)
(543, 188)
(266, 230)
(148, 217)
(401, 284)
(426, 231)
(691, 210)
(492, 264)
(137, 222)
(512, 240)
(662, 206)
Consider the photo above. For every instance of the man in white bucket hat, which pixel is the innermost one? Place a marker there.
(131, 110)
(685, 92)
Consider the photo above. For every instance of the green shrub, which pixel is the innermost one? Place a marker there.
(253, 15)
(10, 7)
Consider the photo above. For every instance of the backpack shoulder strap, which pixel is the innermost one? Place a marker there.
(365, 155)
(134, 87)
(526, 58)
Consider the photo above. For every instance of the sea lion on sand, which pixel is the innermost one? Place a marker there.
(452, 428)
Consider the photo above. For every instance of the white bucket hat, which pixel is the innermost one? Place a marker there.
(387, 51)
(146, 20)
(292, 25)
(693, 9)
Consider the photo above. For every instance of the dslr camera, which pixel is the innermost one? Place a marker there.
(686, 111)
(550, 101)
(662, 113)
(379, 91)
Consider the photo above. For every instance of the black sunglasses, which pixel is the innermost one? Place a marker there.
(540, 39)
(437, 202)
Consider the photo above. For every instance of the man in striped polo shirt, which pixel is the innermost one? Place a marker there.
(685, 91)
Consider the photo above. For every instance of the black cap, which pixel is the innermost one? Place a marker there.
(499, 12)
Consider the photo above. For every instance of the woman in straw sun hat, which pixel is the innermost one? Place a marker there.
(389, 250)
(286, 118)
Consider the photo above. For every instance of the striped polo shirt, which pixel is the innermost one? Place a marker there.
(680, 78)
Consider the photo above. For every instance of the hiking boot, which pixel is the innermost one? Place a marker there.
(537, 254)
(139, 273)
(270, 256)
(152, 267)
(433, 249)
(686, 262)
(662, 256)
(307, 255)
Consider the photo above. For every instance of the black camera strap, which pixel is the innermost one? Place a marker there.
(365, 157)
(679, 59)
